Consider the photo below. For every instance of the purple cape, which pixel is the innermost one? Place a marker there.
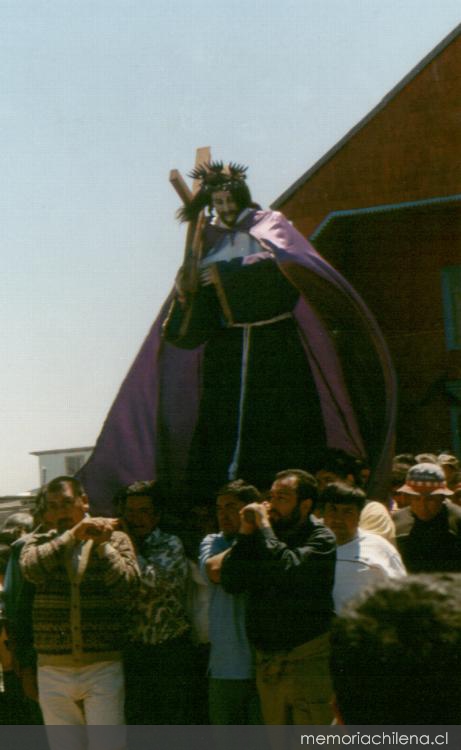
(345, 348)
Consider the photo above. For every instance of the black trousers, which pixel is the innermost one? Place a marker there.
(158, 682)
(279, 422)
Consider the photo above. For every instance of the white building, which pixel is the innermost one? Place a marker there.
(53, 463)
(62, 461)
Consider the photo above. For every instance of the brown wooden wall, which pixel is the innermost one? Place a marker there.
(394, 259)
(409, 150)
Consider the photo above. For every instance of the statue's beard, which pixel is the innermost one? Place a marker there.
(229, 218)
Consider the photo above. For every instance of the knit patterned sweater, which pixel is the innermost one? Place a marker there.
(82, 596)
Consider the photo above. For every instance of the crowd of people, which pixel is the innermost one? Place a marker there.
(255, 611)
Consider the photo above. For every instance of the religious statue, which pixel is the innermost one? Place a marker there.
(262, 356)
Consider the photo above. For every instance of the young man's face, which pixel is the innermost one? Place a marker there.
(228, 509)
(226, 207)
(64, 509)
(140, 516)
(343, 519)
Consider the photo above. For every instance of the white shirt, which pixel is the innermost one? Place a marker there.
(366, 560)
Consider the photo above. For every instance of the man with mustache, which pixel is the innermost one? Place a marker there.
(284, 559)
(85, 573)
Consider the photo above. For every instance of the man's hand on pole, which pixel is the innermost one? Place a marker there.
(254, 516)
(97, 529)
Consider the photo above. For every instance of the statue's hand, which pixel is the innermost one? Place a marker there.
(186, 281)
(206, 276)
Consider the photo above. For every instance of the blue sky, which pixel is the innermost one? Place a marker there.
(98, 101)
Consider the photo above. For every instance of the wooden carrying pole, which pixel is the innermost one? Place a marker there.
(193, 245)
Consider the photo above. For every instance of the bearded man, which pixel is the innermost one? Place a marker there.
(268, 360)
(284, 561)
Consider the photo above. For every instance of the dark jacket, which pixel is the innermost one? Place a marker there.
(430, 546)
(288, 583)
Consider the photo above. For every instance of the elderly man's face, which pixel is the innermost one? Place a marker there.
(65, 509)
(226, 207)
(426, 507)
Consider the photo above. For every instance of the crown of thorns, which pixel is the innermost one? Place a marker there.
(214, 175)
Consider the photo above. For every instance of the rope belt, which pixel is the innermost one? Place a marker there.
(283, 316)
(233, 468)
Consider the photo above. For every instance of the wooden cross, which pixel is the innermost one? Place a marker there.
(193, 246)
(189, 273)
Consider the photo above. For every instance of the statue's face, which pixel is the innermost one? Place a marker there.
(226, 207)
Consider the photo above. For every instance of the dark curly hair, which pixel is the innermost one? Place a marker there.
(396, 653)
(214, 176)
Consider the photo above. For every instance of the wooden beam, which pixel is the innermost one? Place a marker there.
(202, 156)
(180, 186)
